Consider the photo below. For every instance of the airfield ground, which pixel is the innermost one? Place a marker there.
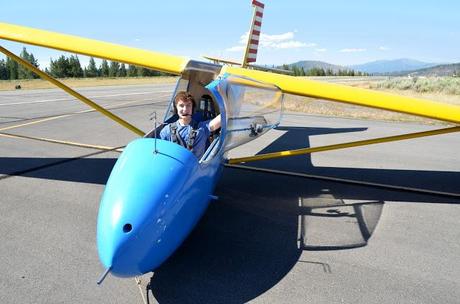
(432, 88)
(268, 239)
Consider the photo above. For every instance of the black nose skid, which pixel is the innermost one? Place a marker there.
(101, 279)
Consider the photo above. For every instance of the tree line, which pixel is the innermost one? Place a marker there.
(70, 67)
(300, 71)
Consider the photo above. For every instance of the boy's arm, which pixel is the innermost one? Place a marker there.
(214, 124)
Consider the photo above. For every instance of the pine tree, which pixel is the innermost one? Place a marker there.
(132, 71)
(104, 70)
(34, 62)
(3, 70)
(12, 68)
(75, 69)
(295, 69)
(141, 72)
(23, 72)
(92, 70)
(122, 71)
(60, 68)
(113, 69)
(302, 71)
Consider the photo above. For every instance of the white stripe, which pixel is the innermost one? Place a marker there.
(256, 28)
(71, 98)
(258, 19)
(253, 46)
(259, 9)
(252, 56)
(255, 37)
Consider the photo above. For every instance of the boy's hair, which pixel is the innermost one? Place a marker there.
(184, 96)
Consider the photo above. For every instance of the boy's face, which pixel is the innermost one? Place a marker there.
(184, 108)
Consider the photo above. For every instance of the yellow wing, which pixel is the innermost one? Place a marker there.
(347, 94)
(153, 60)
(288, 84)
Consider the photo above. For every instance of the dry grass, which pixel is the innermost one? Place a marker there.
(445, 85)
(29, 84)
(328, 108)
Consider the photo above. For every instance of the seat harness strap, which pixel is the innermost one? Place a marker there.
(176, 138)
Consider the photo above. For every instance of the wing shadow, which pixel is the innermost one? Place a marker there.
(299, 137)
(81, 170)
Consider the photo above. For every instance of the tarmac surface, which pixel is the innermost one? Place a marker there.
(268, 239)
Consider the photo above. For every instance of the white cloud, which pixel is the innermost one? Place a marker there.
(321, 50)
(352, 50)
(384, 48)
(280, 41)
(287, 45)
(237, 48)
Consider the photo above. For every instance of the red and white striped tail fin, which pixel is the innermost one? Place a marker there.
(254, 34)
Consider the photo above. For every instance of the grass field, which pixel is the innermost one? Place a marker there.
(426, 88)
(444, 90)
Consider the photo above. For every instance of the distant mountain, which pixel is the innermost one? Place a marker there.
(438, 70)
(397, 67)
(310, 64)
(391, 66)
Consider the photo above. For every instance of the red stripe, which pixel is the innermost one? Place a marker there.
(257, 3)
(251, 60)
(259, 14)
(258, 23)
(253, 41)
(254, 32)
(253, 51)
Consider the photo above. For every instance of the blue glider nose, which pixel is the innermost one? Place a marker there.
(145, 212)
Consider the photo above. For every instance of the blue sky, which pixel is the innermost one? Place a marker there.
(338, 32)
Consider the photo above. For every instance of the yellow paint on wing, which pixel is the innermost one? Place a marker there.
(90, 47)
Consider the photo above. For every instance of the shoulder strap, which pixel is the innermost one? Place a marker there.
(175, 137)
(192, 135)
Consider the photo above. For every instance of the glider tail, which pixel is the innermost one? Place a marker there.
(254, 33)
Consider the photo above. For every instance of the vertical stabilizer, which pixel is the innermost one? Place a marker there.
(254, 33)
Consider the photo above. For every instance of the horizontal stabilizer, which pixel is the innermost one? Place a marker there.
(253, 66)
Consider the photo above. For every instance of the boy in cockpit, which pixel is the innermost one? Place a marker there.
(185, 131)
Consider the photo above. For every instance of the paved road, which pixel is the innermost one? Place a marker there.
(269, 239)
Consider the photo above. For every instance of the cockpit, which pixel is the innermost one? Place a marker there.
(248, 108)
(194, 80)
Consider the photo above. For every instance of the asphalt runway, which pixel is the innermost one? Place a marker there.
(268, 239)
